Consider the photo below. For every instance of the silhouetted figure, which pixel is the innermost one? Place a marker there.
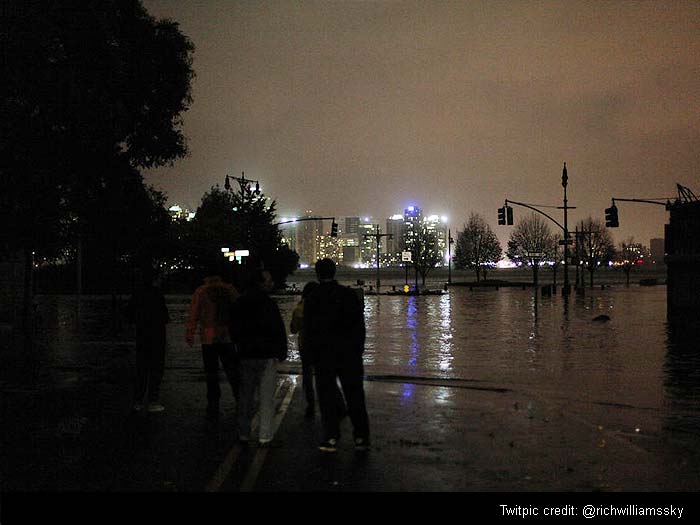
(261, 339)
(334, 331)
(211, 310)
(307, 364)
(147, 311)
(296, 326)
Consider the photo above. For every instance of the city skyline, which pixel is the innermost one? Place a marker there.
(454, 106)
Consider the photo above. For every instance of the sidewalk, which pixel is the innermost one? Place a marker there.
(471, 437)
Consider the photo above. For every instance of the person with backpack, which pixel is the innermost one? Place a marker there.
(334, 330)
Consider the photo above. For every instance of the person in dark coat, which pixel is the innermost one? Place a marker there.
(334, 329)
(147, 311)
(261, 340)
(296, 326)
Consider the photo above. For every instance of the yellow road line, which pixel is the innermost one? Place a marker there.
(260, 456)
(229, 462)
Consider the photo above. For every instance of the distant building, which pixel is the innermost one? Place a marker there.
(352, 226)
(395, 245)
(289, 234)
(351, 255)
(412, 217)
(368, 245)
(177, 212)
(350, 241)
(657, 250)
(682, 248)
(331, 248)
(438, 226)
(308, 238)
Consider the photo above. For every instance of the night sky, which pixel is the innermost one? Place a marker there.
(361, 108)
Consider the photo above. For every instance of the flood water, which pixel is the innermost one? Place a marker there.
(552, 350)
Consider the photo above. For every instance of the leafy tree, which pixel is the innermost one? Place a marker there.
(595, 245)
(477, 246)
(91, 92)
(532, 234)
(240, 221)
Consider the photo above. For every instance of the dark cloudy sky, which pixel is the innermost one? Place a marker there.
(360, 108)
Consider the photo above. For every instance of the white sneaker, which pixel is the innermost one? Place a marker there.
(155, 407)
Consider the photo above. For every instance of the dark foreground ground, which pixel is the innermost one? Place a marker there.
(69, 439)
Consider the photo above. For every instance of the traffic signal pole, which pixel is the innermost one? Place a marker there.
(378, 236)
(505, 214)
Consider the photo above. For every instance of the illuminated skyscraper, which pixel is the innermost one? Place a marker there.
(308, 239)
(395, 245)
(368, 245)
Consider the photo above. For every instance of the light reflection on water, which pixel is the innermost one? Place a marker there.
(499, 337)
(503, 338)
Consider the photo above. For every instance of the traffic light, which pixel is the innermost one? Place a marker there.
(509, 216)
(611, 217)
(501, 215)
(334, 229)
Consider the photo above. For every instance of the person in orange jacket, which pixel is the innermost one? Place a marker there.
(210, 310)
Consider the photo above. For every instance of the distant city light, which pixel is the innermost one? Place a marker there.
(303, 266)
(503, 263)
(411, 208)
(396, 217)
(175, 208)
(224, 250)
(443, 218)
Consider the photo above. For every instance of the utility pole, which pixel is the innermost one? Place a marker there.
(378, 236)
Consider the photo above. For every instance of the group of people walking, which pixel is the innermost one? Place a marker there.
(244, 331)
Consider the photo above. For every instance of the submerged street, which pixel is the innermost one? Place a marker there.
(469, 391)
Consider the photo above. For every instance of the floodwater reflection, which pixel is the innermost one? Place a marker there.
(485, 335)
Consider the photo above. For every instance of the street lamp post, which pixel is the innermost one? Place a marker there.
(564, 182)
(450, 240)
(245, 192)
(244, 185)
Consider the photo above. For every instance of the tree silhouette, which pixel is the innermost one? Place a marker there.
(596, 245)
(477, 246)
(532, 235)
(424, 250)
(240, 221)
(91, 92)
(627, 255)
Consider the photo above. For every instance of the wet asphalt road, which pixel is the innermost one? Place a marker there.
(72, 430)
